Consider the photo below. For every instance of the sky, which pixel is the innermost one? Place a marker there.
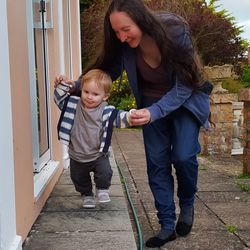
(240, 9)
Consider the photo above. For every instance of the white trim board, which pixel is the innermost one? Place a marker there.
(42, 178)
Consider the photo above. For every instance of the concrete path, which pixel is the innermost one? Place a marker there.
(65, 225)
(222, 209)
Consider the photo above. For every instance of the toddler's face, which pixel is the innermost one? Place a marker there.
(92, 95)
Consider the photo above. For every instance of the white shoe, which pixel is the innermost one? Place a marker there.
(103, 195)
(88, 201)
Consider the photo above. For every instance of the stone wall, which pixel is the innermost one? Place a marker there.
(225, 138)
(238, 129)
(231, 114)
(218, 139)
(245, 97)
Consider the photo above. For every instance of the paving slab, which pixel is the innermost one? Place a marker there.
(236, 214)
(64, 224)
(74, 203)
(225, 197)
(213, 186)
(84, 221)
(219, 200)
(245, 234)
(103, 240)
(65, 190)
(205, 219)
(206, 240)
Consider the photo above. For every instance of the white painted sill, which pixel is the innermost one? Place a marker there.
(42, 178)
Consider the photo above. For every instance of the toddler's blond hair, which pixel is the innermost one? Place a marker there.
(102, 79)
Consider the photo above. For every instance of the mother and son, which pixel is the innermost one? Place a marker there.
(165, 75)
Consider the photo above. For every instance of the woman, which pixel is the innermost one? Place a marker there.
(164, 73)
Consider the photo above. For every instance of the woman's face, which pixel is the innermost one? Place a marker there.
(125, 28)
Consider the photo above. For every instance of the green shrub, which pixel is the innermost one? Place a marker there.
(245, 187)
(245, 77)
(121, 96)
(232, 85)
(244, 176)
(126, 103)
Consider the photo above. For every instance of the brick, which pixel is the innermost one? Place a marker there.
(224, 98)
(244, 95)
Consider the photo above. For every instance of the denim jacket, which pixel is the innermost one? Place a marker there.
(197, 101)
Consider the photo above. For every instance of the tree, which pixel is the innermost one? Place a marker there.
(92, 28)
(84, 4)
(215, 33)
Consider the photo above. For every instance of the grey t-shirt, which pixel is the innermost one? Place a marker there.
(86, 133)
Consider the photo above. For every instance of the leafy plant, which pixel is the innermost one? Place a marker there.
(121, 94)
(244, 187)
(232, 85)
(244, 176)
(245, 77)
(231, 228)
(126, 103)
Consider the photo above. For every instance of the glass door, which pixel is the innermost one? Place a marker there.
(39, 84)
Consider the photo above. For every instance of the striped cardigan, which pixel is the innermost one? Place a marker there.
(67, 104)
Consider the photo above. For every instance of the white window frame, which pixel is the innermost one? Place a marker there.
(69, 36)
(44, 167)
(38, 161)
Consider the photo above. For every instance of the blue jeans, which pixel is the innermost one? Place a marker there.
(172, 140)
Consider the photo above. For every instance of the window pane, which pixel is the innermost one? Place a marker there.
(41, 86)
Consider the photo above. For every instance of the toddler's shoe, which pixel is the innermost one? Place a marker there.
(103, 195)
(88, 201)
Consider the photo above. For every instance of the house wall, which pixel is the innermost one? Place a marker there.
(21, 116)
(76, 46)
(27, 207)
(8, 237)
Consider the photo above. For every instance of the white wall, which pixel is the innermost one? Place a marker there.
(8, 238)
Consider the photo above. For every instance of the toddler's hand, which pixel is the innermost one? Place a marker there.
(59, 79)
(62, 78)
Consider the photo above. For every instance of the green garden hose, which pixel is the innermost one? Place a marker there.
(138, 228)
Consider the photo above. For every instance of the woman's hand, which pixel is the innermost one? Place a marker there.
(63, 78)
(139, 117)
